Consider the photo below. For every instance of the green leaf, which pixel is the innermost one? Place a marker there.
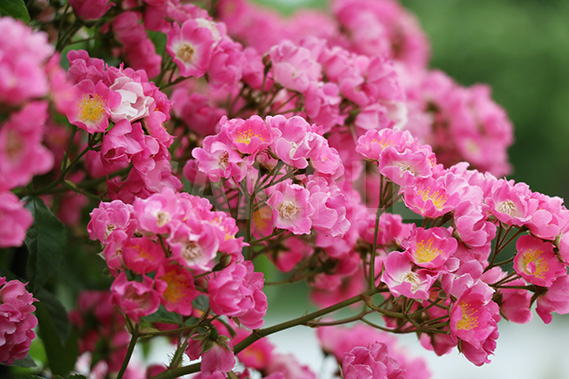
(162, 315)
(15, 9)
(159, 40)
(27, 362)
(46, 241)
(61, 356)
(58, 314)
(201, 302)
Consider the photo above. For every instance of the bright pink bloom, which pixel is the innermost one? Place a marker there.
(401, 279)
(291, 208)
(21, 153)
(556, 299)
(404, 168)
(14, 220)
(194, 245)
(219, 159)
(158, 213)
(237, 291)
(536, 261)
(430, 248)
(142, 255)
(82, 66)
(121, 144)
(179, 290)
(190, 47)
(325, 159)
(509, 202)
(293, 67)
(16, 321)
(549, 217)
(473, 319)
(109, 217)
(249, 136)
(329, 204)
(516, 303)
(433, 198)
(292, 145)
(136, 299)
(94, 106)
(90, 9)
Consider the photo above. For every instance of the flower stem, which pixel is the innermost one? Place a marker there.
(129, 351)
(260, 333)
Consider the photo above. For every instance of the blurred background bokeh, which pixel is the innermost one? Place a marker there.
(521, 49)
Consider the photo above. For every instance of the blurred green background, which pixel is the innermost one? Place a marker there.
(520, 48)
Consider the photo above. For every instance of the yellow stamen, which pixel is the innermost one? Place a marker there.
(91, 108)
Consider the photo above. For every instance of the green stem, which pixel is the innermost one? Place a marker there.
(378, 212)
(129, 351)
(260, 333)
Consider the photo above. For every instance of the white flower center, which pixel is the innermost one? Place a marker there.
(287, 209)
(191, 251)
(508, 207)
(162, 218)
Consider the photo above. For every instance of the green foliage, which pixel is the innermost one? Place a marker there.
(288, 7)
(27, 362)
(520, 49)
(62, 351)
(14, 8)
(162, 315)
(46, 241)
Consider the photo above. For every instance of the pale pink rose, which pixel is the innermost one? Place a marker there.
(291, 208)
(134, 103)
